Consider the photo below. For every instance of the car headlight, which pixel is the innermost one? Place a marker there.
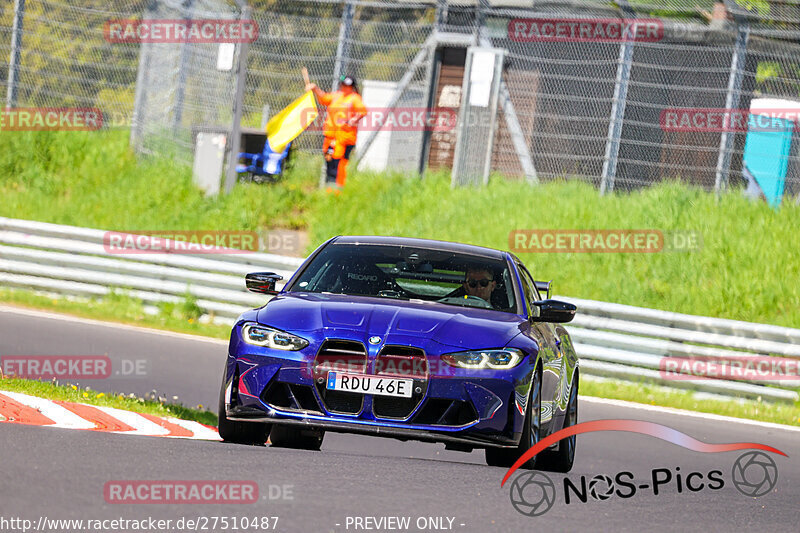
(477, 359)
(272, 338)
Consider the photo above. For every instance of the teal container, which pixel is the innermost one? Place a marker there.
(767, 148)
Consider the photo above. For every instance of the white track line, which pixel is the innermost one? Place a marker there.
(200, 431)
(683, 412)
(63, 418)
(140, 424)
(139, 329)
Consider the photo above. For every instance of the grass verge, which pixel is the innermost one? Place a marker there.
(92, 179)
(72, 393)
(652, 394)
(120, 308)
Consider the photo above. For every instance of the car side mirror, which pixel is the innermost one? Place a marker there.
(262, 282)
(544, 287)
(554, 311)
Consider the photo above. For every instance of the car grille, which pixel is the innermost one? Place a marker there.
(402, 362)
(290, 397)
(341, 356)
(445, 412)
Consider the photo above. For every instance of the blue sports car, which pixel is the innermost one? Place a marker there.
(405, 338)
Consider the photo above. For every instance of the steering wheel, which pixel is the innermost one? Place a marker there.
(474, 301)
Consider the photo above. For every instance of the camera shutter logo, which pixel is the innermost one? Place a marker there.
(532, 493)
(754, 474)
(596, 487)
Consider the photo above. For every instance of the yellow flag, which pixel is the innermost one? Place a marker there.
(284, 127)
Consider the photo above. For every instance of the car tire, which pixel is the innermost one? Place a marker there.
(252, 433)
(297, 438)
(561, 459)
(505, 457)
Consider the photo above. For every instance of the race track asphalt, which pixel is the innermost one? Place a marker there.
(60, 473)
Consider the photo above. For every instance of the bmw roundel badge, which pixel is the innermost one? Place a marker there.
(374, 340)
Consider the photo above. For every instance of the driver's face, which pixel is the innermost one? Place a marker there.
(479, 283)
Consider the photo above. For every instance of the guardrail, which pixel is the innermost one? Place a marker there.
(613, 340)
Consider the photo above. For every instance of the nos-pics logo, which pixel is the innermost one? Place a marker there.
(753, 474)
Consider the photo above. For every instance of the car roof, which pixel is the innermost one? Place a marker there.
(428, 244)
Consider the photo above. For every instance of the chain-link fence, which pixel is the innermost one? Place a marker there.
(181, 88)
(590, 109)
(372, 41)
(62, 57)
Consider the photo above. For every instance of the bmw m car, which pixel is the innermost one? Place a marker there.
(405, 338)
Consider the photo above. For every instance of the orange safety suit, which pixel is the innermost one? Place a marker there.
(338, 132)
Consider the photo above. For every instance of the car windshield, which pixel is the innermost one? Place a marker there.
(406, 273)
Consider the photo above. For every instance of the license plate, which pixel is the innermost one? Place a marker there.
(370, 384)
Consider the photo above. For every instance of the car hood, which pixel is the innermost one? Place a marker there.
(460, 327)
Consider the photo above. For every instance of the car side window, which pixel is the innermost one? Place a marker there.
(529, 288)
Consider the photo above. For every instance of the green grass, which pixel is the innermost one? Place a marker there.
(746, 269)
(73, 393)
(118, 307)
(650, 394)
(92, 179)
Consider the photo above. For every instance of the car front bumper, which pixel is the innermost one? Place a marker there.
(452, 405)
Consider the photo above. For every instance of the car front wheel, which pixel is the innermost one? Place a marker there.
(253, 433)
(561, 459)
(296, 437)
(506, 457)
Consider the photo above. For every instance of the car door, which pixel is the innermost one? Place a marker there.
(552, 364)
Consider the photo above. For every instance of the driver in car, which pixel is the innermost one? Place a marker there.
(479, 282)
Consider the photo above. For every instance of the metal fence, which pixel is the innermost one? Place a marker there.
(179, 89)
(612, 340)
(587, 110)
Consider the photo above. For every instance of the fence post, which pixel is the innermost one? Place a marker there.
(16, 50)
(472, 157)
(441, 15)
(234, 142)
(180, 92)
(140, 99)
(617, 116)
(142, 83)
(509, 113)
(431, 81)
(343, 47)
(731, 102)
(498, 76)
